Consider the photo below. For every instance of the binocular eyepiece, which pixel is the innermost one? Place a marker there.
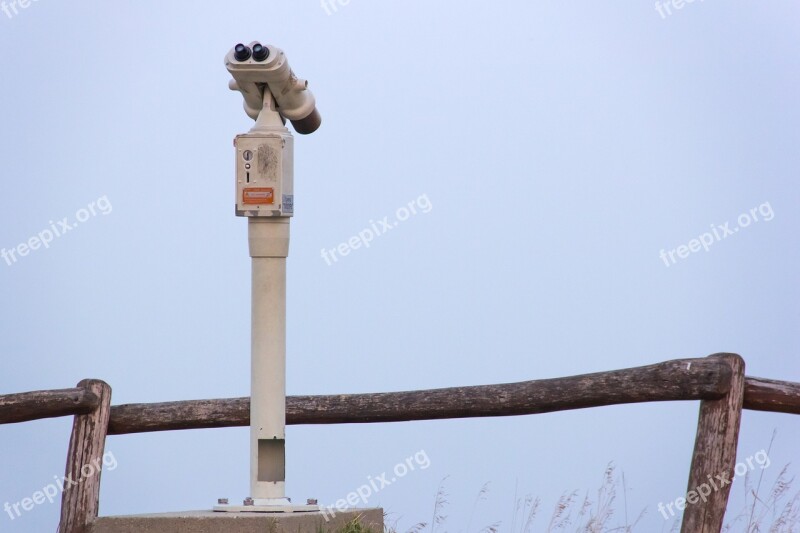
(242, 52)
(260, 52)
(257, 68)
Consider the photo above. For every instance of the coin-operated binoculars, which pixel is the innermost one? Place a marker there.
(264, 194)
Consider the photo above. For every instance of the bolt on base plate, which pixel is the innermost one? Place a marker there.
(280, 505)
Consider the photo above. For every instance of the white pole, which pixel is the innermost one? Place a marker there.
(269, 246)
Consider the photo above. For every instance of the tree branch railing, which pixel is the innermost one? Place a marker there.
(682, 379)
(28, 406)
(717, 381)
(462, 402)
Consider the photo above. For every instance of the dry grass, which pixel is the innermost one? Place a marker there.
(588, 516)
(777, 511)
(774, 512)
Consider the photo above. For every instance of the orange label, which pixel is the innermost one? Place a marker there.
(258, 195)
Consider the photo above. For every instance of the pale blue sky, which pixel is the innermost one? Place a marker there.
(562, 145)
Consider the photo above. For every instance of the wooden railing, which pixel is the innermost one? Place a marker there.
(717, 381)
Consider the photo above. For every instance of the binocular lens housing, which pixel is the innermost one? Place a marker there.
(260, 52)
(307, 125)
(242, 52)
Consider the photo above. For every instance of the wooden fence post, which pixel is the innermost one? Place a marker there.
(714, 456)
(81, 496)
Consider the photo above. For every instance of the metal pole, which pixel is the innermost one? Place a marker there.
(269, 247)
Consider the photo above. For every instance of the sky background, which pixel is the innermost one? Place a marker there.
(561, 145)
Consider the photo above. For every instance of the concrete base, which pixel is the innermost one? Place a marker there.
(211, 522)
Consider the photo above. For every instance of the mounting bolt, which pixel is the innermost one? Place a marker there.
(249, 501)
(311, 501)
(223, 501)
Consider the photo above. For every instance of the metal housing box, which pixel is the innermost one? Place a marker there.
(264, 175)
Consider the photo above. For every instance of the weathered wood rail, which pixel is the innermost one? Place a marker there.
(717, 381)
(771, 395)
(460, 402)
(27, 406)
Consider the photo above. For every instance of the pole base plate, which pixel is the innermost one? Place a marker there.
(265, 508)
